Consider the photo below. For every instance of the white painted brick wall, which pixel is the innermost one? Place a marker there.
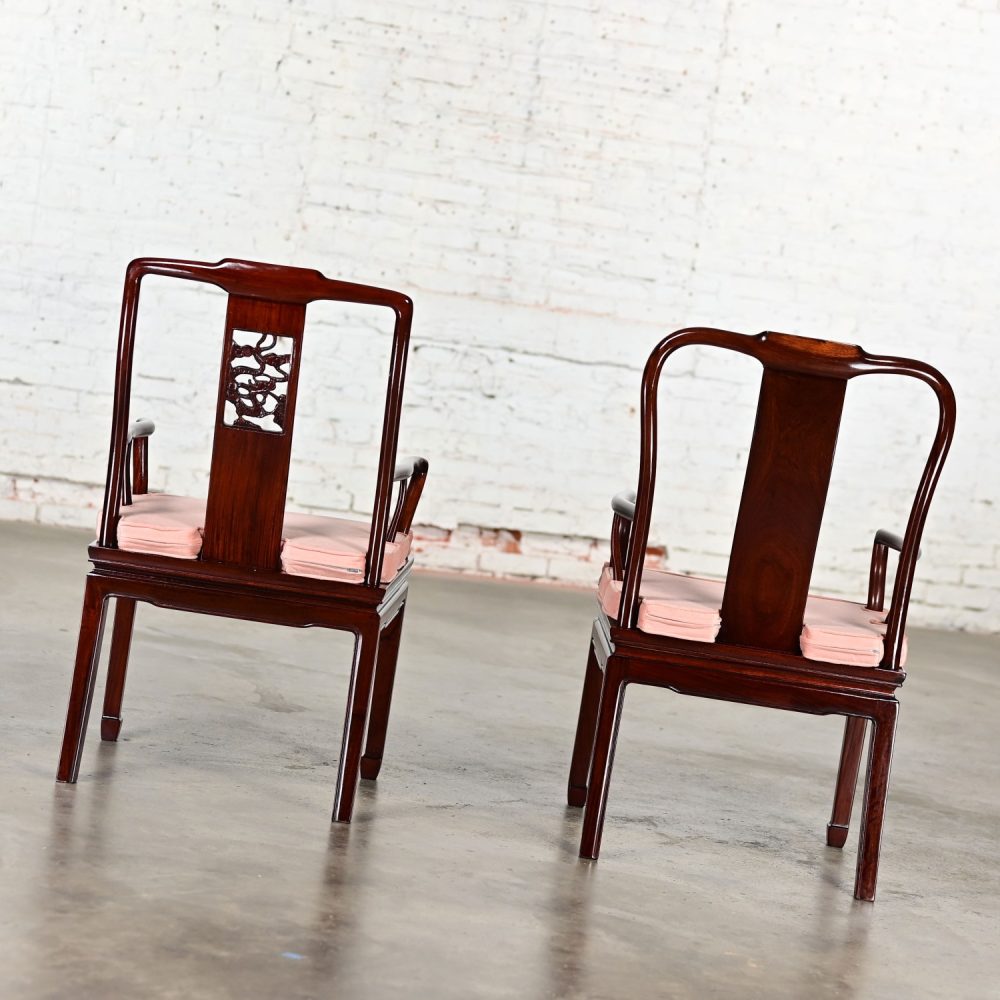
(556, 184)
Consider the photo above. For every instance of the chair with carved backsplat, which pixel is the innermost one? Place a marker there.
(759, 637)
(238, 554)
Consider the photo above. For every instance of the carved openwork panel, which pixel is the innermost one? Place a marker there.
(260, 365)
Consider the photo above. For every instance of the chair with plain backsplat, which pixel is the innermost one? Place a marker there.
(237, 553)
(759, 637)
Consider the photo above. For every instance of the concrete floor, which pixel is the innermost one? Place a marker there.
(196, 858)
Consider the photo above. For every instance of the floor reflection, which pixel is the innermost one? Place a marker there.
(568, 912)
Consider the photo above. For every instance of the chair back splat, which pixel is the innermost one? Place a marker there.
(760, 637)
(237, 554)
(784, 494)
(253, 433)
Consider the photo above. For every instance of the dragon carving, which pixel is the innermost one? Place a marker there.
(257, 383)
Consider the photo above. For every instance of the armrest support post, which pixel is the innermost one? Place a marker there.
(140, 465)
(410, 473)
(623, 505)
(876, 576)
(397, 511)
(135, 471)
(884, 540)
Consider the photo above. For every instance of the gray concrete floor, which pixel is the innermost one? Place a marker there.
(195, 858)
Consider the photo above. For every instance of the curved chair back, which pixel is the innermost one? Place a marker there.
(802, 391)
(255, 413)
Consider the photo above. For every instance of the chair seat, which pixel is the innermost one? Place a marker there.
(688, 607)
(325, 548)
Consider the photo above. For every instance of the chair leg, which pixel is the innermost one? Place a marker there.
(608, 718)
(385, 675)
(121, 640)
(847, 779)
(586, 724)
(88, 651)
(876, 787)
(356, 722)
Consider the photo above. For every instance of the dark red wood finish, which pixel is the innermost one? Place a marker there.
(781, 509)
(238, 574)
(243, 526)
(757, 659)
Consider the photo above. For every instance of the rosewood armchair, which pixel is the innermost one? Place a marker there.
(237, 553)
(759, 637)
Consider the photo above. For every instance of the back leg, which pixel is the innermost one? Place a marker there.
(847, 779)
(121, 641)
(586, 726)
(385, 675)
(359, 695)
(88, 651)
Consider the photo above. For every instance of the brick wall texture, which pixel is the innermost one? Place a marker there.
(557, 184)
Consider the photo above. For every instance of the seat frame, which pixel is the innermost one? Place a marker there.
(755, 661)
(243, 580)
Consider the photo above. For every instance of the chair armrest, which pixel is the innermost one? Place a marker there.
(405, 467)
(623, 505)
(141, 428)
(136, 480)
(410, 473)
(884, 540)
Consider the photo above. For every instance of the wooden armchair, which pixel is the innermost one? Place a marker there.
(759, 637)
(237, 553)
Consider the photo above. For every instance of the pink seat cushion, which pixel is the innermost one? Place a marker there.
(326, 548)
(333, 548)
(688, 607)
(844, 632)
(162, 525)
(683, 607)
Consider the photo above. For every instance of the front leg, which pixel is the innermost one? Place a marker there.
(356, 721)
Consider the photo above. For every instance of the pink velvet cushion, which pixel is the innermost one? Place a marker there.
(687, 607)
(162, 525)
(683, 607)
(326, 548)
(332, 548)
(844, 632)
